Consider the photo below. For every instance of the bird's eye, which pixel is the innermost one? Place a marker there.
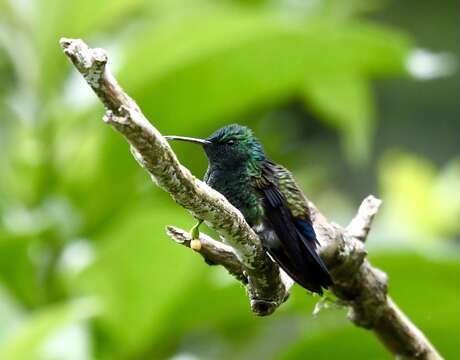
(231, 142)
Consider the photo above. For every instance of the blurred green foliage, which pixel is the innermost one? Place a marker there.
(86, 271)
(407, 182)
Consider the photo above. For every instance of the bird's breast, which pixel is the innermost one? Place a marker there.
(238, 189)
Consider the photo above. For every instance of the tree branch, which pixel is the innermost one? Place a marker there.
(217, 253)
(214, 252)
(360, 226)
(356, 282)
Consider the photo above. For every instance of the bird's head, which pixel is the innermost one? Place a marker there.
(232, 146)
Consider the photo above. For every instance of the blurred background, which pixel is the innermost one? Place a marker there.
(355, 97)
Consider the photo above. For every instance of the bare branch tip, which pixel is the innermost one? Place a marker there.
(176, 234)
(360, 226)
(370, 204)
(65, 42)
(72, 46)
(170, 229)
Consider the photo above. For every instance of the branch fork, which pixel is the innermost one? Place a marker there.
(356, 282)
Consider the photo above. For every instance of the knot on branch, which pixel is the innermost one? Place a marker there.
(120, 118)
(343, 255)
(263, 307)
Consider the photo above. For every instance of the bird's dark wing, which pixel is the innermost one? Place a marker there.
(287, 213)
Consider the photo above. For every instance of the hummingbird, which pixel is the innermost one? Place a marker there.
(270, 200)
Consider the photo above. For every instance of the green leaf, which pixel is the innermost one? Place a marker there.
(426, 198)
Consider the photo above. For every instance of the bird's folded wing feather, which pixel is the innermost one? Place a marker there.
(287, 211)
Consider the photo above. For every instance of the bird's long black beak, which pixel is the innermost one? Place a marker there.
(188, 139)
